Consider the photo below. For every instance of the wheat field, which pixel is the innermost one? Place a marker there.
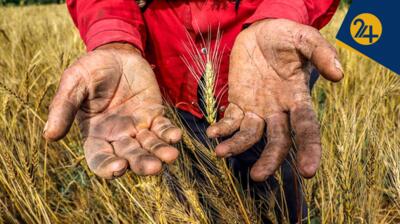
(41, 182)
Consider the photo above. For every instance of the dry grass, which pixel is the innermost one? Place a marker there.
(359, 181)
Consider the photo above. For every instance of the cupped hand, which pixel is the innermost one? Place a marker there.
(268, 87)
(114, 95)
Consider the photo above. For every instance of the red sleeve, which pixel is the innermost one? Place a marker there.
(105, 21)
(315, 13)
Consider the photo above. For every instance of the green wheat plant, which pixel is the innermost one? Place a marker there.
(204, 65)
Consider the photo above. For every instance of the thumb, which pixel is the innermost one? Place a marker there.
(69, 96)
(320, 52)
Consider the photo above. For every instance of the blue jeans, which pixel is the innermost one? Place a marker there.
(241, 165)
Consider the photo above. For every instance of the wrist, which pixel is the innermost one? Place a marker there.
(119, 46)
(262, 21)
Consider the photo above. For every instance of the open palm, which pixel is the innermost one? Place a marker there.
(268, 86)
(119, 109)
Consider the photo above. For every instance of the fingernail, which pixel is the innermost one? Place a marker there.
(338, 65)
(210, 131)
(45, 128)
(215, 135)
(228, 155)
(118, 173)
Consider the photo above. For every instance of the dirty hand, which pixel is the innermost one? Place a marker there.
(116, 99)
(268, 86)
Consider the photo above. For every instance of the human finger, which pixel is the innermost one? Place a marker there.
(228, 124)
(276, 150)
(101, 159)
(307, 137)
(251, 130)
(149, 141)
(165, 130)
(320, 52)
(65, 104)
(140, 160)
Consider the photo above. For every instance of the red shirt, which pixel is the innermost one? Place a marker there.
(161, 31)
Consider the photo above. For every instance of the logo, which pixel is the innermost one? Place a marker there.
(371, 28)
(366, 29)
